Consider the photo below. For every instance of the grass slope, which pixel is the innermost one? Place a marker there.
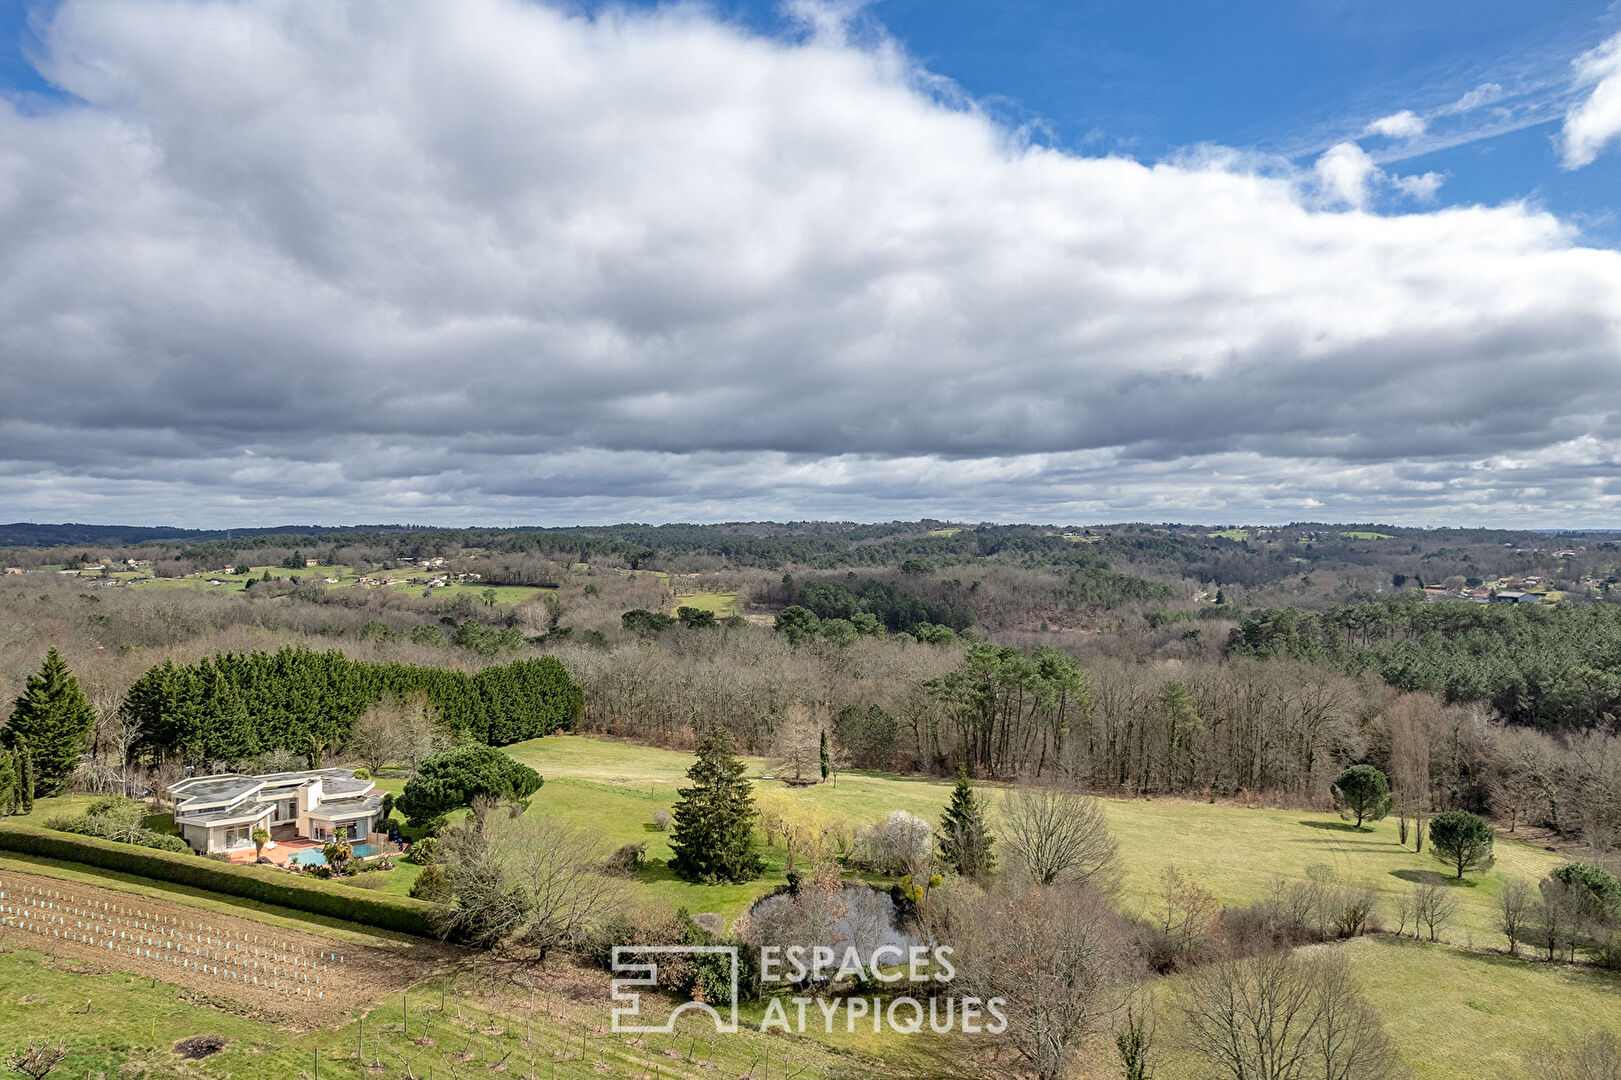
(1452, 1012)
(615, 787)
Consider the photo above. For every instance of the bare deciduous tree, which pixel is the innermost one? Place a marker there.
(1434, 906)
(1283, 1016)
(1055, 954)
(38, 1059)
(1592, 1055)
(1514, 907)
(558, 866)
(396, 730)
(1058, 834)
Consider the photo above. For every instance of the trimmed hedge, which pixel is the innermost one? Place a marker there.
(251, 882)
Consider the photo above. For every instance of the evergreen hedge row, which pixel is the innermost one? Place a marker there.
(236, 705)
(251, 882)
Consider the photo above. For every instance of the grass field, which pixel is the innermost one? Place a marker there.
(1363, 534)
(615, 787)
(1452, 1012)
(722, 604)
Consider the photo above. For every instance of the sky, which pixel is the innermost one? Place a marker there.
(514, 262)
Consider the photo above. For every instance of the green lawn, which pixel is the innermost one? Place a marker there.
(615, 787)
(722, 604)
(1452, 1012)
(508, 595)
(1363, 534)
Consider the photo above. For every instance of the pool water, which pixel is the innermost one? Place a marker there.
(314, 857)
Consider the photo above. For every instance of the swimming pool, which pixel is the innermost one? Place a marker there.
(314, 857)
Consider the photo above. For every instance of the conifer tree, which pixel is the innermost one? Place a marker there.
(827, 759)
(712, 835)
(25, 778)
(965, 843)
(55, 720)
(10, 797)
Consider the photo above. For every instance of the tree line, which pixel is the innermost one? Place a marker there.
(238, 705)
(1546, 666)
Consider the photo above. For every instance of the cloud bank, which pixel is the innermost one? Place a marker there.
(495, 260)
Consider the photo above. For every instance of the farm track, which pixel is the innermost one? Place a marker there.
(286, 974)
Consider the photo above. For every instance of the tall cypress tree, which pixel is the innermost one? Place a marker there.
(712, 835)
(55, 719)
(25, 778)
(827, 759)
(10, 798)
(965, 843)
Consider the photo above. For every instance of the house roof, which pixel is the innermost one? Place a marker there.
(222, 792)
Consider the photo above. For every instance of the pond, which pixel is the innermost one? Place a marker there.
(869, 921)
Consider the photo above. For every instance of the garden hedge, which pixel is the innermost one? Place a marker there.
(259, 883)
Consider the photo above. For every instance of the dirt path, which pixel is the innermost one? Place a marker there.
(279, 972)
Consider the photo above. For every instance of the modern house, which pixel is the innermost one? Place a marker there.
(219, 813)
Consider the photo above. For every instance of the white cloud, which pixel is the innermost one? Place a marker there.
(1346, 174)
(1421, 186)
(389, 259)
(1595, 121)
(1480, 96)
(1401, 125)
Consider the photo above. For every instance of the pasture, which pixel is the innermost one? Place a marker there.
(1234, 851)
(723, 604)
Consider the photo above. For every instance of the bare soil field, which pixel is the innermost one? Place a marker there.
(278, 972)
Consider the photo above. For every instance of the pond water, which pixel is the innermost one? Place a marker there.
(869, 919)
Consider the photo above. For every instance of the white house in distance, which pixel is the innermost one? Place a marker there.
(219, 813)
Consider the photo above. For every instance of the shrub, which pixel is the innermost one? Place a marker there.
(899, 844)
(424, 852)
(251, 882)
(626, 860)
(661, 820)
(432, 885)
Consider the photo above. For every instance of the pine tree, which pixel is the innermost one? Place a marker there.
(965, 843)
(712, 835)
(55, 719)
(827, 759)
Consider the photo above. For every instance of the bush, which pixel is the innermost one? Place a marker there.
(626, 860)
(661, 820)
(424, 852)
(251, 882)
(899, 844)
(432, 885)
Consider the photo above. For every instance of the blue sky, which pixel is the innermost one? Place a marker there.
(1152, 79)
(455, 261)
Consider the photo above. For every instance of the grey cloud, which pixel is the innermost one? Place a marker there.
(403, 259)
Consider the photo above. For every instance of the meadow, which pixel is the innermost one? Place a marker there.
(1444, 1004)
(1234, 851)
